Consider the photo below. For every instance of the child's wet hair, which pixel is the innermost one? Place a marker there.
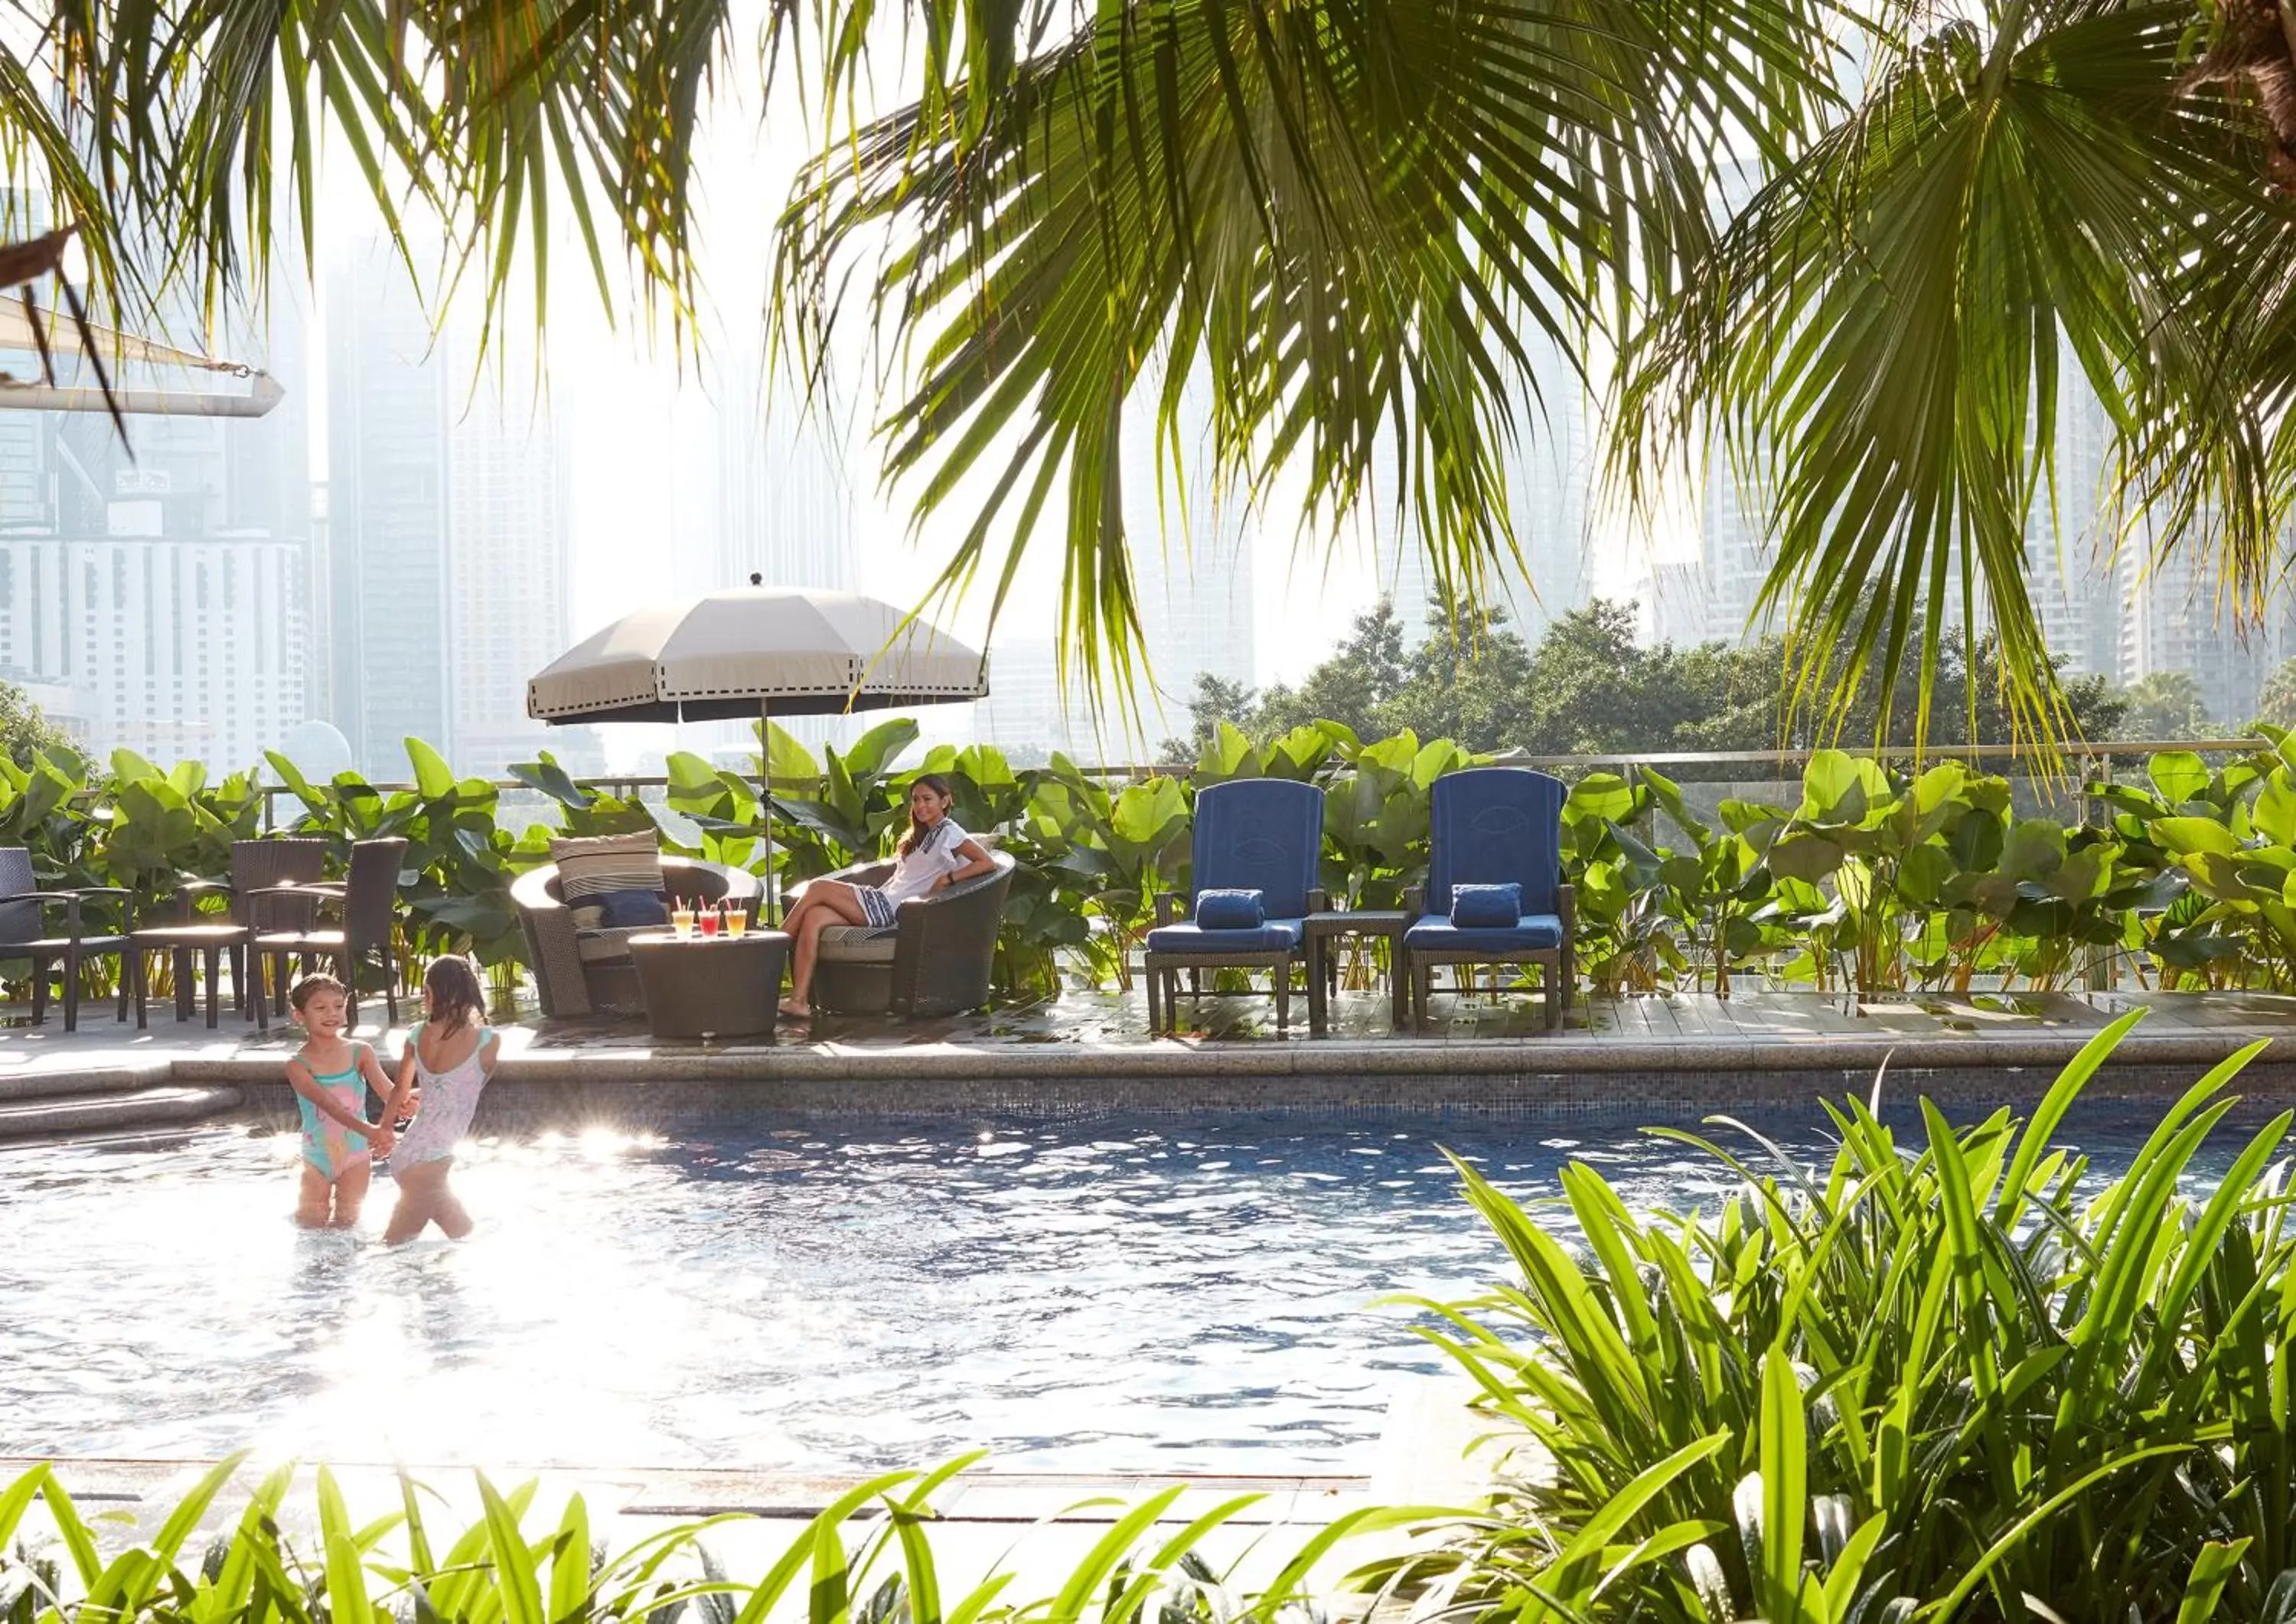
(311, 986)
(456, 998)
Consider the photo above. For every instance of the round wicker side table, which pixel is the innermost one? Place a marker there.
(710, 985)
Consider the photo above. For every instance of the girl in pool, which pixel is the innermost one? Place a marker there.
(934, 854)
(448, 1059)
(330, 1077)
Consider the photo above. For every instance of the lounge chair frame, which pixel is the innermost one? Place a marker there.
(1557, 965)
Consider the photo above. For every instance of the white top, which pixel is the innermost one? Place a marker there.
(937, 853)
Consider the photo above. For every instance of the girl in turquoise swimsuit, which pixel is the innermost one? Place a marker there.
(330, 1076)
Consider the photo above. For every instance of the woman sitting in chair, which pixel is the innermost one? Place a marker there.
(934, 854)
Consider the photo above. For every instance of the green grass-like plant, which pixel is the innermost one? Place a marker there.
(868, 1557)
(1952, 1378)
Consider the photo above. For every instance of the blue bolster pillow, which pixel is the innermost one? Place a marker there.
(626, 910)
(1483, 907)
(1230, 910)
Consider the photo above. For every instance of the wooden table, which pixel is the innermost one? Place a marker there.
(1322, 930)
(710, 985)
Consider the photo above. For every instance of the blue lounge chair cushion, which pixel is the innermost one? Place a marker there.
(1262, 834)
(1435, 933)
(1484, 906)
(1489, 826)
(1275, 936)
(1231, 908)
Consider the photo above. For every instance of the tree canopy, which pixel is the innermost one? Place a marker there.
(1865, 249)
(1587, 687)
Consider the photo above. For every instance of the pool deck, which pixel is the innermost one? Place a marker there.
(1666, 1049)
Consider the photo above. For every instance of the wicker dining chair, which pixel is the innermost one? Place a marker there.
(24, 933)
(256, 865)
(366, 902)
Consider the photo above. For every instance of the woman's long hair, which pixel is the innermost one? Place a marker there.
(456, 999)
(939, 785)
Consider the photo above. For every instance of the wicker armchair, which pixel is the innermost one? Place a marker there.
(588, 972)
(936, 960)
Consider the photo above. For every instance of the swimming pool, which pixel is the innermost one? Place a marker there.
(837, 1294)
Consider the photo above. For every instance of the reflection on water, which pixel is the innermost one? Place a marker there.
(1166, 1295)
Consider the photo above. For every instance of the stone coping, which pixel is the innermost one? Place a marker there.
(1389, 1057)
(1659, 1051)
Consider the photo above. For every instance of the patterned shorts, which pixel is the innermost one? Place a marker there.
(876, 907)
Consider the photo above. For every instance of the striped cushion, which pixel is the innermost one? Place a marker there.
(593, 866)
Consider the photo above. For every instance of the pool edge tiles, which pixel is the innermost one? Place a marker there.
(521, 1102)
(1548, 1074)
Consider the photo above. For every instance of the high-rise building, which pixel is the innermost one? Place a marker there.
(2171, 620)
(387, 629)
(179, 648)
(1024, 715)
(1550, 472)
(1714, 598)
(785, 500)
(1551, 475)
(507, 549)
(448, 531)
(1191, 559)
(161, 601)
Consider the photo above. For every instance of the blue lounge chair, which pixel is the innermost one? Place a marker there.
(1494, 826)
(1258, 835)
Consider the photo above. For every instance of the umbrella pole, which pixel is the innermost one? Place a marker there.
(765, 804)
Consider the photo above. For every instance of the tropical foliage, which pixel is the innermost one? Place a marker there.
(1957, 1374)
(868, 1557)
(1865, 875)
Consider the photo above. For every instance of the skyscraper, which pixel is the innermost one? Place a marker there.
(507, 548)
(1191, 559)
(387, 629)
(786, 499)
(448, 536)
(1549, 470)
(164, 599)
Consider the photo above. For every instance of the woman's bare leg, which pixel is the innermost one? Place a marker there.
(834, 903)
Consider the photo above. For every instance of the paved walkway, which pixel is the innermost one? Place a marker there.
(1093, 1051)
(1092, 1030)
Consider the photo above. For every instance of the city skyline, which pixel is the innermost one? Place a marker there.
(348, 558)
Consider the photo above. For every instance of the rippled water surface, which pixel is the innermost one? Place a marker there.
(1108, 1295)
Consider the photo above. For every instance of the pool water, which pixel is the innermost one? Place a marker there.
(1159, 1295)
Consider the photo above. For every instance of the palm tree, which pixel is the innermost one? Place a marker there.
(1344, 214)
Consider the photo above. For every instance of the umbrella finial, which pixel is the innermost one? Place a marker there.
(757, 579)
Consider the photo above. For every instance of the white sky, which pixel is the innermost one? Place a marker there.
(621, 388)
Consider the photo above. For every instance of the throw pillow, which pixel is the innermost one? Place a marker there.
(629, 910)
(591, 866)
(1220, 909)
(1485, 906)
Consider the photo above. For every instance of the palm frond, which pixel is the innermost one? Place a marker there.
(1347, 216)
(1883, 338)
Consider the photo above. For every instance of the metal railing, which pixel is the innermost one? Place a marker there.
(2092, 759)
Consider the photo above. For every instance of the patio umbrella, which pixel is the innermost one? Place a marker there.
(757, 652)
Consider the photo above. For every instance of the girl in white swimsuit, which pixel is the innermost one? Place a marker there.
(441, 1075)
